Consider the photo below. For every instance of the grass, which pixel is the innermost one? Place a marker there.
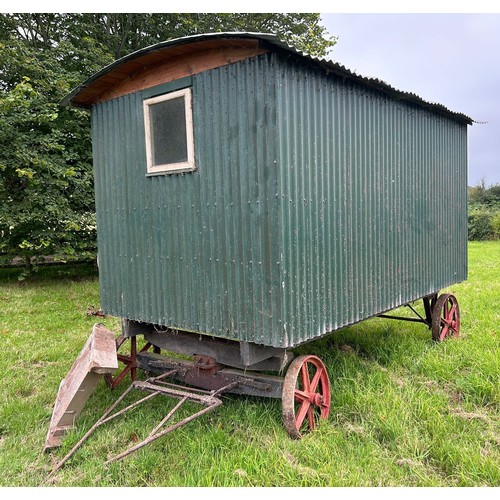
(405, 411)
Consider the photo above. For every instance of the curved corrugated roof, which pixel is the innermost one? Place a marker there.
(271, 42)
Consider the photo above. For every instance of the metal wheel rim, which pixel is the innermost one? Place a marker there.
(306, 395)
(445, 318)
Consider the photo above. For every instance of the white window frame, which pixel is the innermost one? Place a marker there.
(186, 166)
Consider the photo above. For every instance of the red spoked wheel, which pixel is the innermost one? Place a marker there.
(306, 395)
(445, 318)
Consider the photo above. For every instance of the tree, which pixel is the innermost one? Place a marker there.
(46, 187)
(125, 33)
(481, 194)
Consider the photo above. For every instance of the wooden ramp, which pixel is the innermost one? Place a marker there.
(97, 358)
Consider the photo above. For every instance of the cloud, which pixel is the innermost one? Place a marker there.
(451, 59)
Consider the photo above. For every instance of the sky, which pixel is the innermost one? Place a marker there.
(448, 58)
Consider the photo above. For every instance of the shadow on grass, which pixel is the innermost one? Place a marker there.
(383, 341)
(49, 273)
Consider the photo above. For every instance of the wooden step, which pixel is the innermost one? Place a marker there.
(98, 357)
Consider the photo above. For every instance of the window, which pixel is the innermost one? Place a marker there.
(168, 121)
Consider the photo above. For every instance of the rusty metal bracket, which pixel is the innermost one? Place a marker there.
(154, 386)
(207, 364)
(130, 360)
(428, 301)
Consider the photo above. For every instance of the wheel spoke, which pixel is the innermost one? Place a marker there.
(306, 382)
(315, 380)
(310, 415)
(301, 396)
(446, 309)
(444, 332)
(453, 312)
(301, 414)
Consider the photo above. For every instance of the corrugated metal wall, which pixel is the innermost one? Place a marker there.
(315, 204)
(374, 198)
(195, 251)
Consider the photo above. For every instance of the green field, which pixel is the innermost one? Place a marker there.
(405, 411)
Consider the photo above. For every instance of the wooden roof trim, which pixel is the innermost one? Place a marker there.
(165, 66)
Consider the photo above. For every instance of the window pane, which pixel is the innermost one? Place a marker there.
(168, 131)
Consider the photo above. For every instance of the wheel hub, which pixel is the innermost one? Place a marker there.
(316, 399)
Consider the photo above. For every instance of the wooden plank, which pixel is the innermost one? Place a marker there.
(251, 353)
(169, 68)
(97, 358)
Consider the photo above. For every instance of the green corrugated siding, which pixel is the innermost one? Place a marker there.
(316, 203)
(374, 202)
(194, 251)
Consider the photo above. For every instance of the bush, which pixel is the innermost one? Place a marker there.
(495, 223)
(484, 212)
(481, 224)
